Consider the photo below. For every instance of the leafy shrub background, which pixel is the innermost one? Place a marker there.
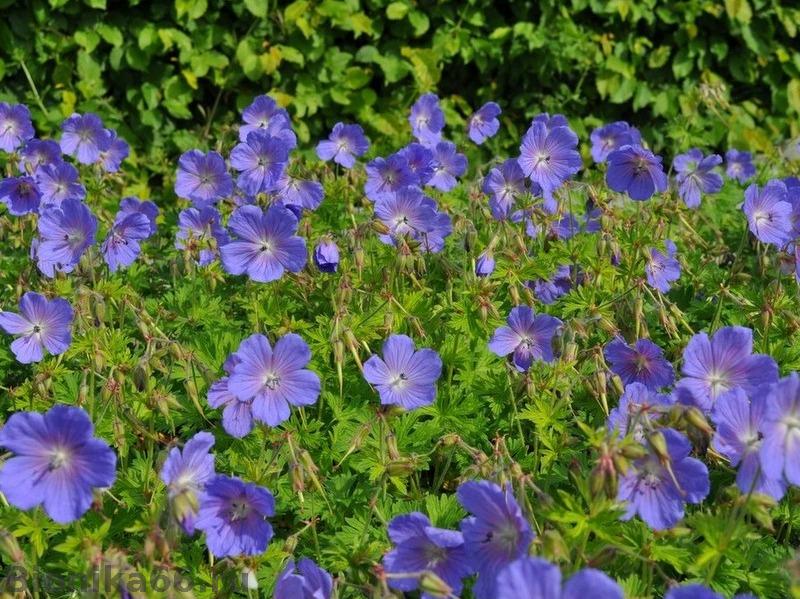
(160, 70)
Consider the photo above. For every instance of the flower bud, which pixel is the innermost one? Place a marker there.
(484, 265)
(597, 480)
(249, 580)
(185, 506)
(621, 463)
(434, 586)
(358, 258)
(326, 255)
(450, 439)
(659, 445)
(603, 557)
(10, 547)
(696, 418)
(470, 237)
(391, 446)
(555, 546)
(296, 471)
(618, 386)
(290, 544)
(141, 375)
(338, 351)
(570, 353)
(634, 451)
(401, 467)
(99, 310)
(380, 227)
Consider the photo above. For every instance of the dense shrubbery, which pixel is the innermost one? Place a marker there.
(163, 73)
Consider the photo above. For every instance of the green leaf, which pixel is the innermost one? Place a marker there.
(110, 34)
(739, 10)
(500, 33)
(148, 37)
(202, 62)
(87, 39)
(257, 8)
(356, 77)
(193, 9)
(292, 55)
(424, 65)
(419, 21)
(177, 96)
(295, 10)
(90, 73)
(658, 58)
(793, 94)
(271, 60)
(397, 10)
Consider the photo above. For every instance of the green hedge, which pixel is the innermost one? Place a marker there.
(726, 73)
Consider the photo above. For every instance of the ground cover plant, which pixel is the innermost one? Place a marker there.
(436, 369)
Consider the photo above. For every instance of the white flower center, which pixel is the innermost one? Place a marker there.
(59, 458)
(400, 381)
(718, 382)
(239, 510)
(272, 380)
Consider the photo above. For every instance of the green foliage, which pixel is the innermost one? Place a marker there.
(148, 341)
(157, 70)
